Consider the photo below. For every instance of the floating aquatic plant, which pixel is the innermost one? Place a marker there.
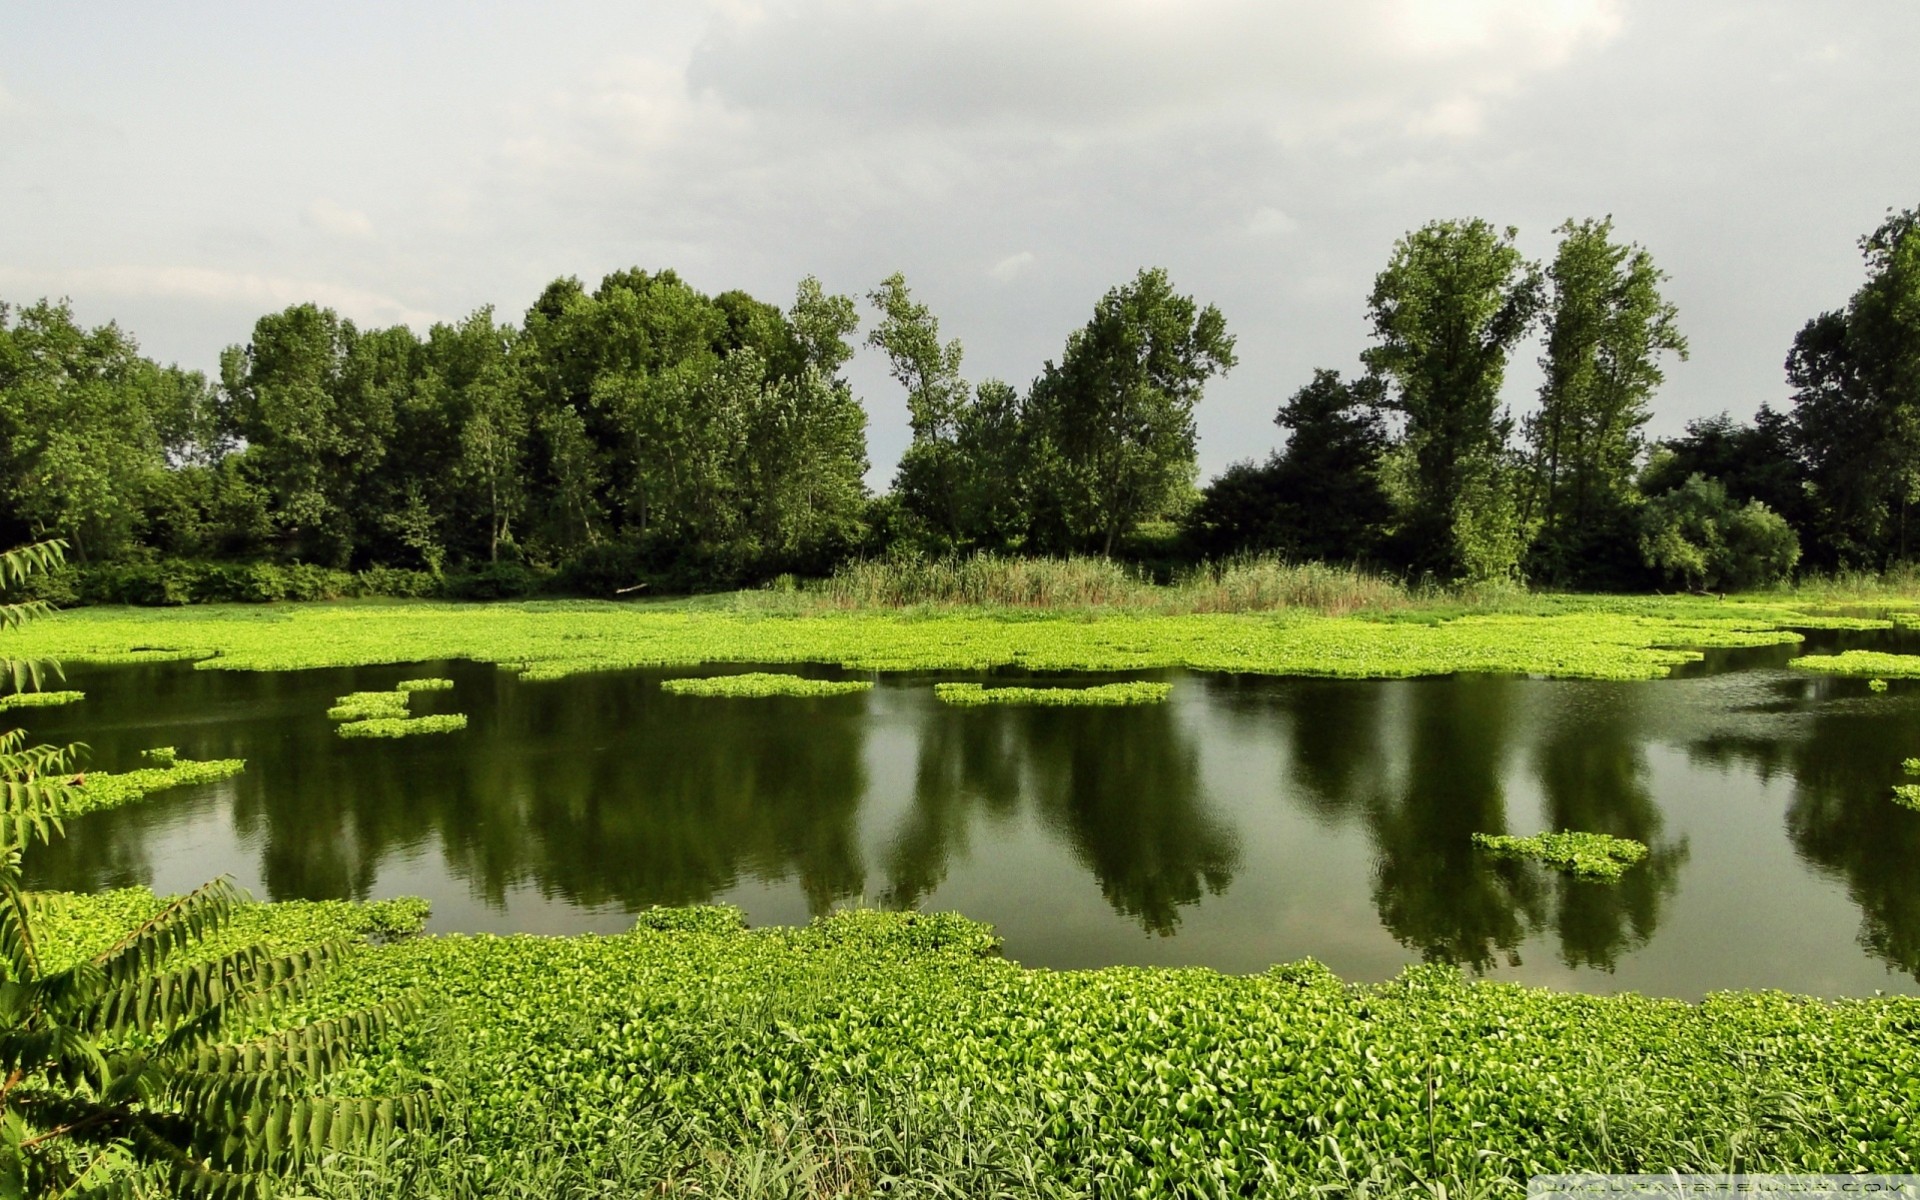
(1106, 694)
(39, 699)
(365, 706)
(397, 727)
(424, 685)
(96, 791)
(1588, 855)
(759, 684)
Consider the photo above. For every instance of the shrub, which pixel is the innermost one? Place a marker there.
(1698, 537)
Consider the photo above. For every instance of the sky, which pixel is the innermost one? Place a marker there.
(183, 168)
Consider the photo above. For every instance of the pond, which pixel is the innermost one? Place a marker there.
(1247, 821)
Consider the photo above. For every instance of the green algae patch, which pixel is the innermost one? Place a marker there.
(97, 791)
(39, 699)
(1106, 694)
(367, 706)
(1588, 855)
(761, 685)
(424, 685)
(399, 727)
(1872, 663)
(1556, 636)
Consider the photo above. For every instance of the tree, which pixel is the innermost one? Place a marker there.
(1606, 326)
(1856, 404)
(933, 471)
(160, 1050)
(1446, 312)
(1703, 540)
(1321, 497)
(83, 424)
(1116, 415)
(1753, 462)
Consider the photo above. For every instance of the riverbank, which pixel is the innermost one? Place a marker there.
(1562, 636)
(694, 1056)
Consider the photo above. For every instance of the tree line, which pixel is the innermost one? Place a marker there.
(644, 433)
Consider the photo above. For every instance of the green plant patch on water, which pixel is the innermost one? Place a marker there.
(761, 684)
(399, 727)
(96, 791)
(1876, 685)
(366, 706)
(39, 699)
(424, 685)
(1103, 695)
(1871, 663)
(1588, 855)
(1560, 636)
(880, 1031)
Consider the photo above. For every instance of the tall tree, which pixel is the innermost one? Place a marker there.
(1454, 299)
(1856, 381)
(1607, 327)
(1116, 415)
(932, 474)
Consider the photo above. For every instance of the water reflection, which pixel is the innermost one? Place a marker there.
(1248, 821)
(1120, 787)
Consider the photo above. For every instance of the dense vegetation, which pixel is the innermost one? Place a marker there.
(1561, 636)
(646, 435)
(889, 1052)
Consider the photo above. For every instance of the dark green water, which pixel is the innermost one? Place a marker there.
(1248, 821)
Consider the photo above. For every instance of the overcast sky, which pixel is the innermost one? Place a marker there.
(183, 168)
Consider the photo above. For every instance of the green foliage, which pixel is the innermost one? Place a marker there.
(1876, 685)
(157, 1059)
(398, 727)
(694, 1049)
(1606, 327)
(700, 918)
(1566, 637)
(1588, 855)
(95, 791)
(759, 684)
(1106, 694)
(1871, 663)
(366, 706)
(1114, 420)
(1448, 309)
(39, 699)
(1322, 497)
(1697, 537)
(424, 685)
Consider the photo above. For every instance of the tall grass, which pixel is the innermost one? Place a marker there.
(1244, 584)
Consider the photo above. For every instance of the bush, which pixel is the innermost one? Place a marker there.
(1696, 536)
(496, 581)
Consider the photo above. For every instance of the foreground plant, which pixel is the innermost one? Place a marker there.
(1589, 855)
(154, 1061)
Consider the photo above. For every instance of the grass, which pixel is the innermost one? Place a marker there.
(875, 1053)
(399, 727)
(96, 791)
(1588, 855)
(760, 685)
(39, 699)
(1559, 636)
(1104, 694)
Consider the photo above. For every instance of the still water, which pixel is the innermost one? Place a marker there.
(1248, 821)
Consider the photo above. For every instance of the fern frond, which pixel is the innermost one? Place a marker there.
(34, 559)
(191, 918)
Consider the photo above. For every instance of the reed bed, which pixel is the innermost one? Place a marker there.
(1239, 585)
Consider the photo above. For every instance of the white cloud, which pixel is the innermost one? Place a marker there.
(202, 284)
(1271, 222)
(331, 217)
(1011, 266)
